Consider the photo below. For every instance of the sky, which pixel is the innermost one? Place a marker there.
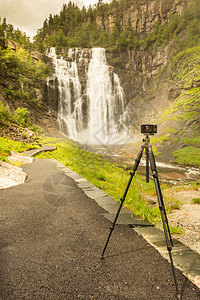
(29, 15)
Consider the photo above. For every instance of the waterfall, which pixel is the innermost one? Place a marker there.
(105, 98)
(70, 100)
(104, 102)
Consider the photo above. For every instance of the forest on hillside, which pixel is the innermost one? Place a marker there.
(75, 27)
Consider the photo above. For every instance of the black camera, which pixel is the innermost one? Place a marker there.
(149, 128)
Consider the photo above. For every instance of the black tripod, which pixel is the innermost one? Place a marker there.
(149, 156)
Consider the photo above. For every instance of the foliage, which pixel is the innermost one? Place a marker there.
(185, 107)
(7, 32)
(75, 27)
(5, 114)
(13, 64)
(196, 200)
(188, 155)
(21, 116)
(6, 145)
(175, 230)
(183, 29)
(195, 141)
(161, 140)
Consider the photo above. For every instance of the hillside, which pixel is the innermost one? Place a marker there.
(23, 73)
(153, 46)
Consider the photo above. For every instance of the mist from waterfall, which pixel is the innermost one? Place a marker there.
(104, 102)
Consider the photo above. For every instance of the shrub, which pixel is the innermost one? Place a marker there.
(21, 116)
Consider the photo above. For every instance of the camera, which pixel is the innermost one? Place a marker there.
(149, 128)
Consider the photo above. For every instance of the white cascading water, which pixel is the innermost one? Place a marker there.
(105, 101)
(70, 100)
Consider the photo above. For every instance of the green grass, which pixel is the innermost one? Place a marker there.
(192, 141)
(160, 140)
(7, 145)
(108, 177)
(196, 200)
(184, 107)
(175, 230)
(188, 155)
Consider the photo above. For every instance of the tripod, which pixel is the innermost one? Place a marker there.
(149, 156)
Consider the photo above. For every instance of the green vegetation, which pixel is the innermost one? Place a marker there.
(196, 200)
(108, 177)
(161, 140)
(20, 116)
(5, 114)
(75, 27)
(19, 63)
(7, 32)
(20, 77)
(20, 73)
(7, 145)
(188, 155)
(175, 230)
(184, 68)
(184, 107)
(192, 141)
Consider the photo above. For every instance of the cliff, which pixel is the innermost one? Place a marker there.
(143, 14)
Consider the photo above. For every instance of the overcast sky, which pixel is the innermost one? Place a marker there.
(29, 15)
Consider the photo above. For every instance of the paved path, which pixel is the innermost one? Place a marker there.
(52, 236)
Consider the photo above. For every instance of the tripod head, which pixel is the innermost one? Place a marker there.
(146, 140)
(147, 129)
(145, 146)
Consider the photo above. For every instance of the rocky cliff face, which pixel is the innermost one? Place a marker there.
(143, 14)
(138, 71)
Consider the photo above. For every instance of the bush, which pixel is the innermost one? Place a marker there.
(21, 116)
(188, 155)
(5, 113)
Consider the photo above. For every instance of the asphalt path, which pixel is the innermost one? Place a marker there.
(52, 236)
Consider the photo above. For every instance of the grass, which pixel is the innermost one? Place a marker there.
(188, 155)
(7, 145)
(175, 230)
(195, 141)
(196, 201)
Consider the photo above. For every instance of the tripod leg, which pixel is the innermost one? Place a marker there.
(147, 164)
(137, 161)
(163, 215)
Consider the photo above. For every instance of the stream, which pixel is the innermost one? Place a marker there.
(124, 156)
